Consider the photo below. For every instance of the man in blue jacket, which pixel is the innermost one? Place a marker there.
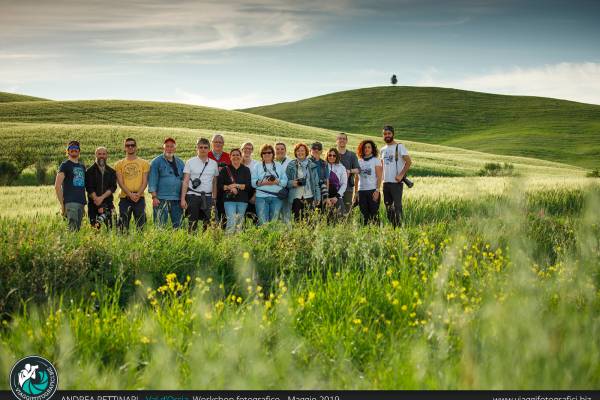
(164, 184)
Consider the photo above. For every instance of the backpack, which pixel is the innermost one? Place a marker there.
(334, 184)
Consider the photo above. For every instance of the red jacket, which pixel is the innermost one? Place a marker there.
(224, 158)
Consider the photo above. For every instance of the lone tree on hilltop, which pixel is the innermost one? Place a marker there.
(394, 80)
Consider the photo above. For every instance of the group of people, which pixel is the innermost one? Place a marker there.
(230, 186)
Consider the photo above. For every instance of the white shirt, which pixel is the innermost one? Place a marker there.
(367, 179)
(194, 167)
(251, 165)
(342, 175)
(285, 163)
(391, 166)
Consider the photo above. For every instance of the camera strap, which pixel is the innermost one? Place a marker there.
(200, 176)
(274, 169)
(230, 174)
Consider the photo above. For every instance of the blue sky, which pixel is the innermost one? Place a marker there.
(235, 54)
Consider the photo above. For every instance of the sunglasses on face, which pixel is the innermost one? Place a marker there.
(330, 155)
(267, 152)
(203, 147)
(130, 145)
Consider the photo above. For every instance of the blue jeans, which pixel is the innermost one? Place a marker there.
(165, 209)
(235, 211)
(286, 211)
(267, 209)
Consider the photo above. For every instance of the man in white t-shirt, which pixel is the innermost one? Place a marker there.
(395, 162)
(199, 186)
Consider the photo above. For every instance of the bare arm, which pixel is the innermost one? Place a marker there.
(407, 164)
(60, 177)
(122, 184)
(379, 174)
(144, 183)
(184, 189)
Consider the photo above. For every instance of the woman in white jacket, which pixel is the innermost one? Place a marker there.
(338, 180)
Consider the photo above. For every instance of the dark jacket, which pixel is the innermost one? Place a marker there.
(241, 176)
(96, 182)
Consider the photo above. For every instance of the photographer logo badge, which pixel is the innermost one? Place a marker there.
(33, 378)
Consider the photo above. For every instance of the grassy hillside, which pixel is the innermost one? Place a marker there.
(149, 114)
(40, 129)
(545, 128)
(37, 141)
(11, 97)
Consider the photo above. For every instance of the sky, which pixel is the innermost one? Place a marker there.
(237, 54)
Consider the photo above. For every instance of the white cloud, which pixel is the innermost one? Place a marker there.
(156, 27)
(569, 81)
(229, 103)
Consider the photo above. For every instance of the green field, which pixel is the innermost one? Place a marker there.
(493, 289)
(12, 97)
(549, 129)
(491, 283)
(39, 130)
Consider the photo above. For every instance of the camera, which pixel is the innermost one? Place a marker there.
(229, 195)
(271, 178)
(408, 182)
(103, 218)
(301, 181)
(196, 182)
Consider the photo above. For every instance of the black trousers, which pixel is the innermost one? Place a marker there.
(392, 198)
(302, 207)
(220, 208)
(368, 207)
(196, 211)
(129, 208)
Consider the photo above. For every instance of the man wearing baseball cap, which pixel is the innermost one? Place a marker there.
(164, 184)
(315, 156)
(70, 187)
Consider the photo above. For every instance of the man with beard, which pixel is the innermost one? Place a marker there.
(100, 184)
(70, 187)
(132, 177)
(396, 162)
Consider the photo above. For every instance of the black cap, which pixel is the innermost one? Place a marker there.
(316, 146)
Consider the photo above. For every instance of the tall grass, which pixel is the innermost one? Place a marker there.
(498, 297)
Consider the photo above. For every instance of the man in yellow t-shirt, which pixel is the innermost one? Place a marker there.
(132, 176)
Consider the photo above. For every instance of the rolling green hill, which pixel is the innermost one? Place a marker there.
(39, 130)
(11, 97)
(149, 114)
(545, 128)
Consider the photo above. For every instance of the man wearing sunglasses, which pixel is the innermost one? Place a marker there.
(70, 187)
(132, 176)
